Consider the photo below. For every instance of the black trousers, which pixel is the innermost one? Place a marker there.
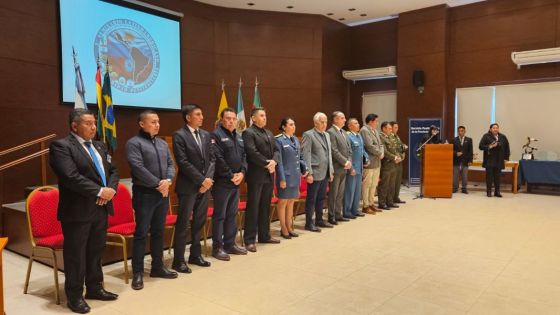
(84, 243)
(493, 175)
(224, 223)
(315, 200)
(197, 204)
(150, 211)
(259, 196)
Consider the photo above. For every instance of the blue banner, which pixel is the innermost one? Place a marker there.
(417, 128)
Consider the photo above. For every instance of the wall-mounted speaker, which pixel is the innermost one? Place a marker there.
(418, 80)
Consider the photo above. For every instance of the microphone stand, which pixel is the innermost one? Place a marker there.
(421, 195)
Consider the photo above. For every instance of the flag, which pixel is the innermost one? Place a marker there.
(223, 101)
(257, 98)
(241, 122)
(109, 123)
(80, 100)
(100, 129)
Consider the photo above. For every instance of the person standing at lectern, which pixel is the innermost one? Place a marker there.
(462, 156)
(496, 152)
(432, 136)
(87, 181)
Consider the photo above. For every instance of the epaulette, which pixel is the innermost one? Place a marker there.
(278, 135)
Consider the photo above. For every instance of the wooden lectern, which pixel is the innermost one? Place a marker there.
(437, 171)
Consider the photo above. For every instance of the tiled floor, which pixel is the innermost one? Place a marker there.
(466, 255)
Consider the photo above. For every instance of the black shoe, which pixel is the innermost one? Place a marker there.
(489, 194)
(392, 205)
(101, 295)
(78, 306)
(137, 281)
(464, 191)
(181, 267)
(332, 222)
(498, 195)
(454, 190)
(220, 254)
(236, 250)
(163, 273)
(350, 217)
(383, 207)
(324, 225)
(312, 228)
(251, 247)
(287, 236)
(199, 261)
(359, 214)
(400, 201)
(270, 241)
(342, 219)
(293, 234)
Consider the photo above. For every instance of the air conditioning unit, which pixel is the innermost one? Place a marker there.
(531, 57)
(370, 74)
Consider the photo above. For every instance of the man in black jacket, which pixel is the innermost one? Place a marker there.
(462, 156)
(231, 166)
(194, 157)
(152, 171)
(496, 152)
(262, 155)
(87, 182)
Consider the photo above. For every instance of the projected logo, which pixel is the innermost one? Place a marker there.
(132, 53)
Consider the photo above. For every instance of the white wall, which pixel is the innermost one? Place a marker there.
(384, 104)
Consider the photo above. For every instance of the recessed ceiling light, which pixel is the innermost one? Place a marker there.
(250, 3)
(290, 7)
(351, 9)
(329, 14)
(363, 14)
(341, 19)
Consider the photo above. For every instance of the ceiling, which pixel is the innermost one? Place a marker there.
(350, 12)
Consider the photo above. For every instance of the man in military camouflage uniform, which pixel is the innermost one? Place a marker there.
(401, 150)
(389, 166)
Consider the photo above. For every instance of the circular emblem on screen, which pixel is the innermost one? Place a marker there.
(132, 54)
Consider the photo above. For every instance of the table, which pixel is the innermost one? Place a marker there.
(514, 165)
(539, 172)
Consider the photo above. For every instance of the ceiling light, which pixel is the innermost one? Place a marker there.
(250, 3)
(290, 7)
(329, 14)
(351, 9)
(363, 14)
(341, 19)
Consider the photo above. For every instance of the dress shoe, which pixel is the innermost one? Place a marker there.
(163, 273)
(392, 205)
(286, 236)
(488, 194)
(181, 267)
(464, 191)
(78, 306)
(368, 210)
(270, 241)
(236, 250)
(293, 234)
(220, 254)
(454, 190)
(312, 228)
(199, 261)
(137, 281)
(342, 219)
(101, 295)
(332, 222)
(400, 201)
(498, 195)
(350, 217)
(324, 225)
(251, 247)
(360, 214)
(383, 207)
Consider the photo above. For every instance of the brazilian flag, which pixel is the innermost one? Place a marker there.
(109, 123)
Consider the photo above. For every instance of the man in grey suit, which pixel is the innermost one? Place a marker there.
(375, 151)
(342, 161)
(316, 148)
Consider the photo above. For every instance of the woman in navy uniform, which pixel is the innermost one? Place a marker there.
(289, 169)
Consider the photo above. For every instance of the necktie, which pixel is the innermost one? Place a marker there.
(197, 138)
(98, 167)
(462, 140)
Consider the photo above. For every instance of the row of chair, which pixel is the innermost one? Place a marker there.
(45, 231)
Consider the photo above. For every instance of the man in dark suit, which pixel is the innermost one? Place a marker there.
(262, 154)
(87, 182)
(194, 157)
(462, 156)
(496, 152)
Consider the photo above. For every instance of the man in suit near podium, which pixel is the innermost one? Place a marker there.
(462, 156)
(262, 154)
(87, 182)
(194, 157)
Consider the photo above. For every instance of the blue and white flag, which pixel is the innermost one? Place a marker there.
(80, 99)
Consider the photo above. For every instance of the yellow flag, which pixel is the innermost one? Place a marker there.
(223, 103)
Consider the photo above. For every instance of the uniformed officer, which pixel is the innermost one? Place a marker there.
(289, 169)
(231, 167)
(353, 188)
(401, 150)
(388, 168)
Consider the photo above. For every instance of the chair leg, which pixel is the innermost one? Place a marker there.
(240, 227)
(55, 271)
(125, 259)
(272, 211)
(28, 272)
(172, 240)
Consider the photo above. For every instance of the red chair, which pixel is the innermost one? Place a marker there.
(206, 228)
(241, 207)
(301, 199)
(170, 221)
(121, 225)
(45, 231)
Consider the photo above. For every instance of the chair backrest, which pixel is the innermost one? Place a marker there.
(42, 207)
(302, 185)
(122, 203)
